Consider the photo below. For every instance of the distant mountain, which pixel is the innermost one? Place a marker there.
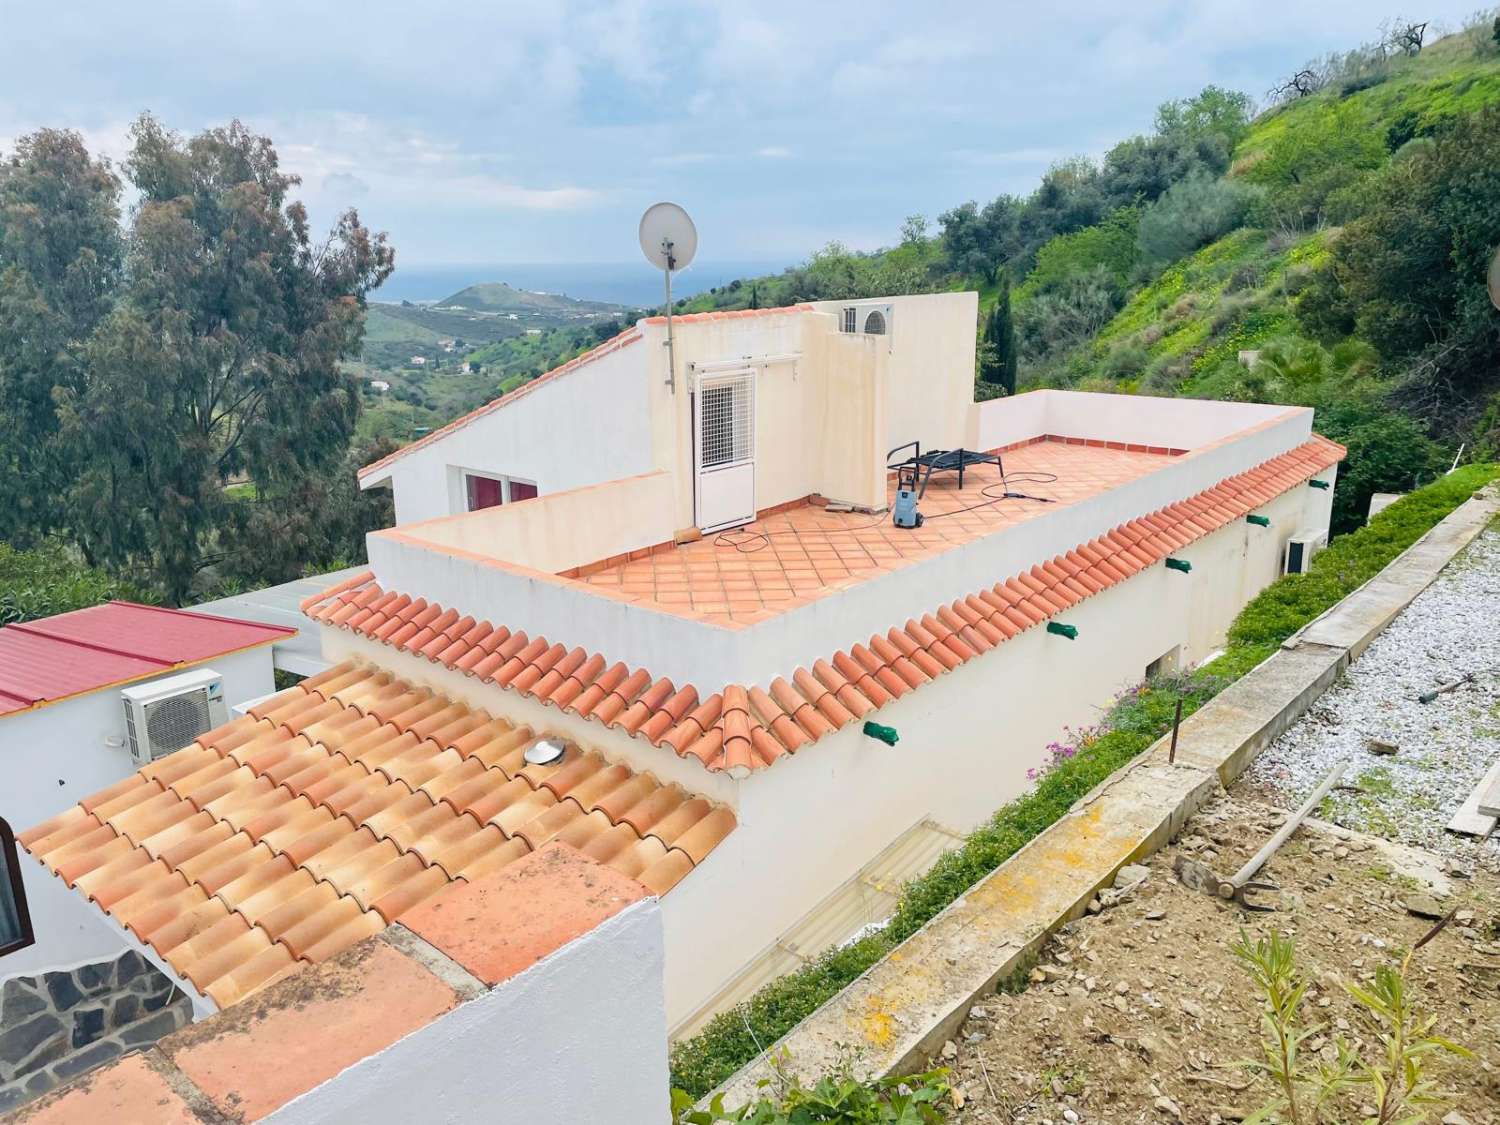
(498, 297)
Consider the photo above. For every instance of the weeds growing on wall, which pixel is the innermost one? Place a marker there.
(838, 1098)
(1136, 720)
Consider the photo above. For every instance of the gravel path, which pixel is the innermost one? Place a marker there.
(1445, 747)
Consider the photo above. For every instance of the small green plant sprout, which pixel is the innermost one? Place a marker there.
(1396, 1080)
(1272, 965)
(838, 1098)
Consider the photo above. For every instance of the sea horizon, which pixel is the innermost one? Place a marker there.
(634, 284)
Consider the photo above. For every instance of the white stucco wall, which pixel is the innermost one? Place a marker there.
(931, 343)
(54, 756)
(710, 656)
(811, 821)
(587, 426)
(71, 931)
(967, 739)
(580, 1036)
(1174, 423)
(551, 534)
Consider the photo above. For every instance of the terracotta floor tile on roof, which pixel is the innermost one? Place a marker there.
(781, 560)
(747, 728)
(333, 808)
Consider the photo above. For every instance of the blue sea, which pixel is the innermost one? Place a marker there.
(622, 283)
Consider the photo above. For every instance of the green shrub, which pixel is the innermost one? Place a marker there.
(1191, 214)
(52, 580)
(1285, 606)
(734, 1037)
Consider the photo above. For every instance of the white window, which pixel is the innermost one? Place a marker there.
(875, 323)
(851, 320)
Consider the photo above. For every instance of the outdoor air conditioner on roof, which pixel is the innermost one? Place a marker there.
(165, 715)
(1300, 550)
(866, 319)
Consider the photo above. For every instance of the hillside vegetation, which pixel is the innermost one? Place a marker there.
(475, 345)
(498, 297)
(1329, 250)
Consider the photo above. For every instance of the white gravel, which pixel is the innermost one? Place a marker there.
(1446, 746)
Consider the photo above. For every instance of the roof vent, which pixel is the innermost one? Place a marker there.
(545, 752)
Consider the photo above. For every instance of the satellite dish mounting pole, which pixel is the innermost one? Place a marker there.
(666, 250)
(669, 240)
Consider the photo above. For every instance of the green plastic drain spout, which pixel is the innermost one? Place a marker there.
(1180, 564)
(1061, 630)
(1323, 484)
(884, 734)
(1259, 521)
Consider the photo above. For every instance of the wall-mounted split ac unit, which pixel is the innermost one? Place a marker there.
(1300, 550)
(167, 714)
(866, 319)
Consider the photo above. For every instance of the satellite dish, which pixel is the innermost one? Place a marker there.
(1495, 280)
(668, 238)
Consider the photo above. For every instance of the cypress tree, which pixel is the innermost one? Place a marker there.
(999, 365)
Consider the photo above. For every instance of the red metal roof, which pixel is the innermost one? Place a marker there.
(57, 657)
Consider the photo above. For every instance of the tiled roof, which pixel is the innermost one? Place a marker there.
(333, 808)
(746, 728)
(613, 344)
(53, 658)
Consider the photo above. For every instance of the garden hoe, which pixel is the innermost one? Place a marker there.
(1239, 886)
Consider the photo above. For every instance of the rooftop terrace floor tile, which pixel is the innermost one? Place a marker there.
(789, 558)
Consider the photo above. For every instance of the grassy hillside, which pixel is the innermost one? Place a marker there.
(498, 297)
(476, 344)
(1337, 236)
(1448, 79)
(384, 324)
(1233, 295)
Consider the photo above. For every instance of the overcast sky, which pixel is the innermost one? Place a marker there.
(538, 131)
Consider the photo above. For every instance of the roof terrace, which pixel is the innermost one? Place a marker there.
(599, 568)
(791, 557)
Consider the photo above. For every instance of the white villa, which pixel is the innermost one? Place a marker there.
(653, 608)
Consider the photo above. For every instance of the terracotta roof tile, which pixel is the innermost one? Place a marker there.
(258, 848)
(750, 727)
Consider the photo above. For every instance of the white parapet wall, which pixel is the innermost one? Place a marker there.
(709, 656)
(579, 1036)
(967, 742)
(1167, 423)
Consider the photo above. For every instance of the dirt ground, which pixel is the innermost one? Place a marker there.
(1139, 1013)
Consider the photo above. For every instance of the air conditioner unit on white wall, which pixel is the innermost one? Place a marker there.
(1300, 550)
(866, 320)
(167, 714)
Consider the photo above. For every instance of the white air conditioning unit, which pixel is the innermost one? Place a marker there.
(1300, 550)
(866, 319)
(168, 714)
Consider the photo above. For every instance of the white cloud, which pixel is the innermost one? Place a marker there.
(541, 129)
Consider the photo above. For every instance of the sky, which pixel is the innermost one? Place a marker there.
(494, 131)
